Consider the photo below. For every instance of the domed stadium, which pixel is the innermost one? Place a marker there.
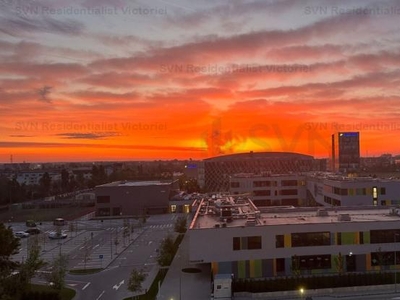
(217, 170)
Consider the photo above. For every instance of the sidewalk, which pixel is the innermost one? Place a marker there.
(179, 285)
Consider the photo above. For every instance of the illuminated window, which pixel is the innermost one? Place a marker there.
(186, 208)
(173, 208)
(375, 192)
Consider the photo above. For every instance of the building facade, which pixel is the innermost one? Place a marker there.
(334, 190)
(270, 189)
(217, 170)
(132, 198)
(346, 151)
(286, 242)
(315, 189)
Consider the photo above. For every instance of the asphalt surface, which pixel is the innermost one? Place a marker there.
(93, 246)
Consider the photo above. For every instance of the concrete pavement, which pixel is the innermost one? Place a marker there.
(179, 285)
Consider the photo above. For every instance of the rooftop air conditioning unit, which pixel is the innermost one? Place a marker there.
(344, 217)
(322, 213)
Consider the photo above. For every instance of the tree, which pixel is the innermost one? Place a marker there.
(32, 263)
(56, 277)
(166, 252)
(180, 224)
(64, 180)
(9, 246)
(295, 267)
(136, 279)
(339, 263)
(86, 252)
(126, 232)
(45, 184)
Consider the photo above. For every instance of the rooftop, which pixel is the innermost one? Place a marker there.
(339, 177)
(134, 183)
(259, 155)
(236, 211)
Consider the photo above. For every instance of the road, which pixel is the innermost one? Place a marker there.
(95, 239)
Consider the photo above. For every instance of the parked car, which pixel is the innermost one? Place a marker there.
(59, 222)
(57, 236)
(30, 223)
(33, 231)
(21, 234)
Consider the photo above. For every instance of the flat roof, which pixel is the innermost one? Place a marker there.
(339, 177)
(208, 215)
(134, 183)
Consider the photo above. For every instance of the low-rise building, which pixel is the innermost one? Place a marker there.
(132, 198)
(315, 189)
(251, 243)
(271, 189)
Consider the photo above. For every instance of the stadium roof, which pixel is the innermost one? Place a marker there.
(259, 155)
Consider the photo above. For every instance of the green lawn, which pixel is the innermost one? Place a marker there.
(66, 293)
(85, 271)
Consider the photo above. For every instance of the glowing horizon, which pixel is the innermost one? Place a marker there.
(115, 80)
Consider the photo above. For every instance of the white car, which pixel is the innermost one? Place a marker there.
(21, 234)
(57, 236)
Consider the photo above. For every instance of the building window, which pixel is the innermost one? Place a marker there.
(261, 183)
(384, 236)
(103, 211)
(236, 243)
(280, 265)
(375, 192)
(339, 238)
(116, 211)
(308, 239)
(279, 241)
(384, 258)
(173, 208)
(289, 183)
(247, 243)
(311, 262)
(383, 191)
(288, 192)
(103, 199)
(262, 193)
(235, 184)
(254, 242)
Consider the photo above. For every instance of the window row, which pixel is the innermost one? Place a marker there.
(103, 199)
(292, 192)
(355, 191)
(385, 258)
(247, 243)
(310, 262)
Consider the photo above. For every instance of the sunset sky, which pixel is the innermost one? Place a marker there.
(138, 80)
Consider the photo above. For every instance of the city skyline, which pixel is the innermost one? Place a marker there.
(121, 80)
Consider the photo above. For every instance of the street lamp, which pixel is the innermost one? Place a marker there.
(395, 263)
(301, 292)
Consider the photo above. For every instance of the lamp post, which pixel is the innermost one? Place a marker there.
(395, 263)
(301, 292)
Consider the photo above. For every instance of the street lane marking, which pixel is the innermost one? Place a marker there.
(87, 284)
(117, 286)
(100, 295)
(96, 246)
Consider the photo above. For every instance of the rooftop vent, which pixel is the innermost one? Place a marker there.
(322, 213)
(344, 217)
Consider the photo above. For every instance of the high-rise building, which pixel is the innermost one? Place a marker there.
(346, 151)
